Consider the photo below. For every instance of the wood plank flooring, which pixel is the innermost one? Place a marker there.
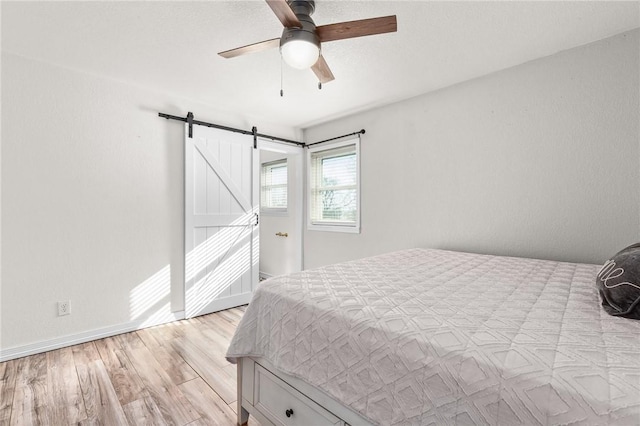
(173, 374)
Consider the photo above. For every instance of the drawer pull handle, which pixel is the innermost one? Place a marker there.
(289, 412)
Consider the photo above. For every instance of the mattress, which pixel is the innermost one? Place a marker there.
(425, 336)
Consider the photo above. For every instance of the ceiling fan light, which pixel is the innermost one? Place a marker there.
(300, 54)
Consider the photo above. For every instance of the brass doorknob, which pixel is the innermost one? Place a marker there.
(282, 234)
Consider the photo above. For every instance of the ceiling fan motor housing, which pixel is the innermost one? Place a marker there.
(303, 10)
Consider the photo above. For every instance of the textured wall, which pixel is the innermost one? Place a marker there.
(539, 160)
(92, 200)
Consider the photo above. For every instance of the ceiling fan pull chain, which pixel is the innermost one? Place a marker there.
(281, 91)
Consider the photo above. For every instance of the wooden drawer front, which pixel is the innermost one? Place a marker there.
(274, 398)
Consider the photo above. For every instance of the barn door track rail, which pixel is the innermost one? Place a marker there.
(359, 132)
(254, 131)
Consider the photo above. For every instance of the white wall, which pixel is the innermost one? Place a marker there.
(92, 201)
(540, 160)
(280, 255)
(0, 190)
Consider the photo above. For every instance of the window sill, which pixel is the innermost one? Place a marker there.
(350, 229)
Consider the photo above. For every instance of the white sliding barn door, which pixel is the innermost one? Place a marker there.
(221, 220)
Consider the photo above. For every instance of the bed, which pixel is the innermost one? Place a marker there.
(424, 336)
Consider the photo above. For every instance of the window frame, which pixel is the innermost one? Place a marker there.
(274, 211)
(332, 226)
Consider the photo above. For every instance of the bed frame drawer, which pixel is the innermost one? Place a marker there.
(284, 405)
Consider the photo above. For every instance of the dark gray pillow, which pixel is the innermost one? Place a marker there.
(619, 283)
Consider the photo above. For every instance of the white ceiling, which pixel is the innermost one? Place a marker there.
(172, 46)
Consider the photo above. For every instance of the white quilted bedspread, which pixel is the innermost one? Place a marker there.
(439, 337)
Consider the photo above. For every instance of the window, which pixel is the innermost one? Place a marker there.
(273, 183)
(334, 187)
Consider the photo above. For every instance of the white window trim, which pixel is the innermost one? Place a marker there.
(275, 211)
(333, 226)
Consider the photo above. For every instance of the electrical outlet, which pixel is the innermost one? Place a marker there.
(64, 308)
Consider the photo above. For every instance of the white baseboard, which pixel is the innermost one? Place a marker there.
(85, 336)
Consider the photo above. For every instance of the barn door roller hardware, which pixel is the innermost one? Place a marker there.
(254, 130)
(190, 121)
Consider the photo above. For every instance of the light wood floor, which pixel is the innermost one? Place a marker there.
(174, 374)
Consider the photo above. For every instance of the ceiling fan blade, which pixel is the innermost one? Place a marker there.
(322, 71)
(363, 27)
(284, 13)
(251, 48)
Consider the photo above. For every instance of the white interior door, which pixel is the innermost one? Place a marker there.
(221, 220)
(283, 255)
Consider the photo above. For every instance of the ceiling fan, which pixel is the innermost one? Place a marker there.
(301, 39)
